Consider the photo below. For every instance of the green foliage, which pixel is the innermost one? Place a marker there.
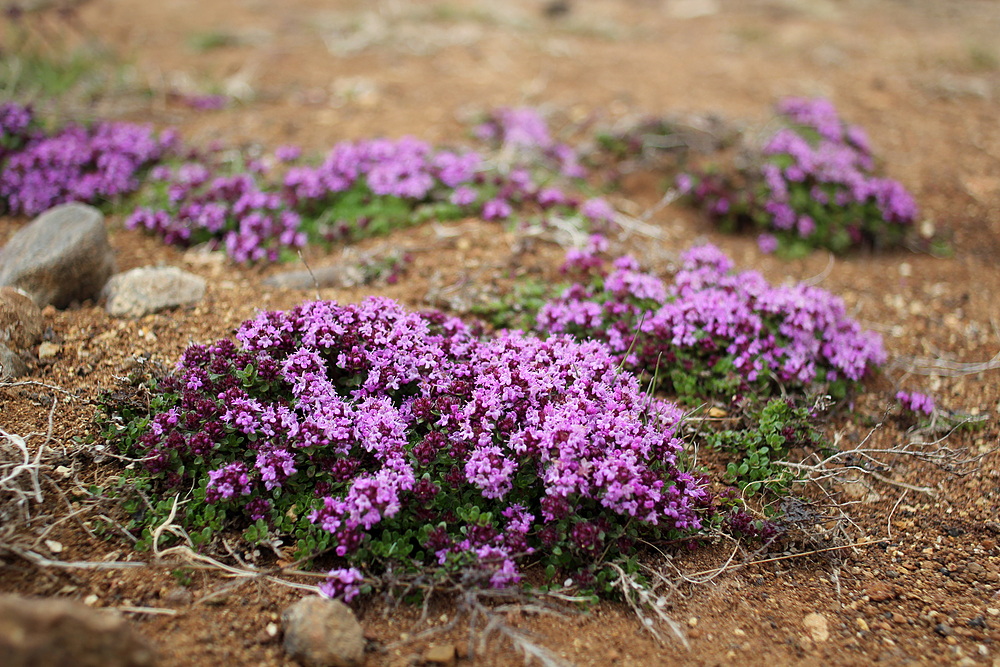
(34, 74)
(518, 308)
(766, 436)
(212, 39)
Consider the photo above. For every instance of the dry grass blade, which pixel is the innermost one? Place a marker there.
(496, 624)
(186, 552)
(641, 598)
(19, 469)
(42, 561)
(944, 367)
(18, 463)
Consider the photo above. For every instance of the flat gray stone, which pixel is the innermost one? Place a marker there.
(54, 631)
(11, 365)
(60, 257)
(321, 277)
(323, 633)
(20, 319)
(151, 289)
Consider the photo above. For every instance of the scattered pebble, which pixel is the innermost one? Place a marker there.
(323, 633)
(48, 350)
(943, 629)
(816, 624)
(440, 654)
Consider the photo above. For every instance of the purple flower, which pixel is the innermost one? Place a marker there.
(496, 209)
(228, 482)
(767, 243)
(805, 226)
(916, 402)
(342, 583)
(551, 197)
(598, 211)
(287, 153)
(463, 196)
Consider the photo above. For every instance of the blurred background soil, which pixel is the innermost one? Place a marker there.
(921, 76)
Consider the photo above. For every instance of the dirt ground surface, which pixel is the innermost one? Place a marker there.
(921, 583)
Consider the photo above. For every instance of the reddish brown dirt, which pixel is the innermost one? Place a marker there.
(921, 76)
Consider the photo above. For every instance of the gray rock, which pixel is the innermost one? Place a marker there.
(11, 365)
(60, 257)
(20, 319)
(62, 632)
(323, 633)
(322, 276)
(150, 289)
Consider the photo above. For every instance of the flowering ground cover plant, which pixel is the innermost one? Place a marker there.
(94, 164)
(402, 439)
(264, 210)
(361, 188)
(713, 331)
(812, 185)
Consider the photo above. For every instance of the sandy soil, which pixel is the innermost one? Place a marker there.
(922, 583)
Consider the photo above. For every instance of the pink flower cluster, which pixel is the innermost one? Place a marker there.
(372, 420)
(91, 165)
(815, 186)
(792, 334)
(916, 402)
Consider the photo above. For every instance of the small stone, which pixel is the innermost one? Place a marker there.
(993, 611)
(739, 632)
(151, 289)
(862, 625)
(62, 632)
(440, 654)
(48, 350)
(462, 650)
(11, 365)
(816, 624)
(692, 9)
(178, 596)
(612, 655)
(60, 257)
(54, 547)
(319, 277)
(693, 621)
(20, 319)
(943, 629)
(881, 592)
(323, 633)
